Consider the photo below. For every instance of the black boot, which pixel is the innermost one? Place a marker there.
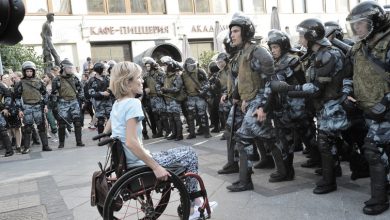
(337, 171)
(229, 168)
(328, 182)
(379, 201)
(205, 126)
(159, 126)
(61, 135)
(179, 127)
(245, 173)
(165, 124)
(78, 135)
(34, 135)
(26, 140)
(266, 161)
(315, 157)
(45, 143)
(290, 167)
(281, 170)
(172, 125)
(6, 143)
(191, 125)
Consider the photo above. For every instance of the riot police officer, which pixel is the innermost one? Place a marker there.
(371, 93)
(214, 96)
(154, 80)
(6, 111)
(31, 97)
(68, 92)
(196, 86)
(252, 74)
(224, 107)
(101, 97)
(173, 94)
(333, 30)
(324, 87)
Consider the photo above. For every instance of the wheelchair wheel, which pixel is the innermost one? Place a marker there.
(138, 195)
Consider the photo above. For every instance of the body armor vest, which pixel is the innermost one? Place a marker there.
(223, 78)
(230, 77)
(369, 86)
(169, 83)
(151, 82)
(66, 90)
(192, 88)
(249, 82)
(31, 93)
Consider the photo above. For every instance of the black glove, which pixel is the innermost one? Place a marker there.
(378, 112)
(281, 86)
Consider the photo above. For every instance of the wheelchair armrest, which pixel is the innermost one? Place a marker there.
(106, 141)
(102, 135)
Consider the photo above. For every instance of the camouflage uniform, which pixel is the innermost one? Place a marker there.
(68, 92)
(196, 86)
(173, 88)
(4, 137)
(154, 80)
(31, 97)
(102, 104)
(371, 89)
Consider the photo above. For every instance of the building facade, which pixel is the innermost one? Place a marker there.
(129, 29)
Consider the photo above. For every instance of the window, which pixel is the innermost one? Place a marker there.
(259, 6)
(111, 51)
(45, 6)
(126, 6)
(299, 6)
(200, 46)
(330, 6)
(285, 6)
(342, 6)
(117, 6)
(202, 6)
(315, 6)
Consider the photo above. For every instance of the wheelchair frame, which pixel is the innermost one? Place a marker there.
(122, 188)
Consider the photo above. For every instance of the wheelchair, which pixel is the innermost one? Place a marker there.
(135, 193)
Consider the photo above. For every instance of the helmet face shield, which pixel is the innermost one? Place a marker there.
(221, 64)
(361, 28)
(191, 67)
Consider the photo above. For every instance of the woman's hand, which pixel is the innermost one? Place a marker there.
(161, 173)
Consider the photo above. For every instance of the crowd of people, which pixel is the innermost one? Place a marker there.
(328, 94)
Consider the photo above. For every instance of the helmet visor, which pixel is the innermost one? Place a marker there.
(301, 30)
(361, 28)
(191, 67)
(221, 64)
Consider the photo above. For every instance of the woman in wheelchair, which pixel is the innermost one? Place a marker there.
(126, 84)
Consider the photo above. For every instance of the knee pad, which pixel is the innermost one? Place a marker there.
(3, 129)
(176, 116)
(61, 124)
(323, 143)
(372, 153)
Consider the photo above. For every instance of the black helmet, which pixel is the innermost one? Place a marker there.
(65, 63)
(312, 29)
(98, 67)
(28, 65)
(171, 64)
(149, 60)
(371, 12)
(247, 27)
(332, 26)
(11, 15)
(190, 64)
(213, 67)
(279, 38)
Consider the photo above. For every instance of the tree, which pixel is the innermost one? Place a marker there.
(205, 58)
(12, 57)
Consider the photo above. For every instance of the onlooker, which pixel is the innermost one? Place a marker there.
(47, 79)
(88, 65)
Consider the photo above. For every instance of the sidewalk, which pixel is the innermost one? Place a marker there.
(56, 185)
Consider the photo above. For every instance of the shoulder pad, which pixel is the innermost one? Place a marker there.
(322, 58)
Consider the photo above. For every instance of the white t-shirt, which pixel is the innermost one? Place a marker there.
(121, 112)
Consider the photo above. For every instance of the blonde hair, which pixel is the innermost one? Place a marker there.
(121, 73)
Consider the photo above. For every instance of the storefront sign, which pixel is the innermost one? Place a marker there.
(110, 30)
(206, 28)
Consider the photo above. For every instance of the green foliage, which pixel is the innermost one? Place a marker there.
(12, 57)
(205, 58)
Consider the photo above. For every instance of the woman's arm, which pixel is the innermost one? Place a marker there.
(134, 145)
(107, 127)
